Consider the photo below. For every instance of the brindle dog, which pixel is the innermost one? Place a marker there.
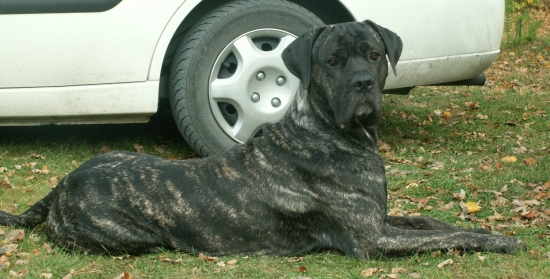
(314, 181)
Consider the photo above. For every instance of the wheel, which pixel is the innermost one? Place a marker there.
(228, 79)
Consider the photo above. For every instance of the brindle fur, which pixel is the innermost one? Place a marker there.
(314, 181)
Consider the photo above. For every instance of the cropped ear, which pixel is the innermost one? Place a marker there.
(297, 55)
(391, 41)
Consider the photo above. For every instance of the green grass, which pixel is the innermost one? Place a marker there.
(439, 155)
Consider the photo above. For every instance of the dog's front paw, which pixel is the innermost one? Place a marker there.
(506, 245)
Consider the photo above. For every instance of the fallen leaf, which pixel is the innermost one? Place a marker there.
(509, 159)
(481, 116)
(371, 271)
(444, 263)
(529, 215)
(398, 270)
(383, 147)
(471, 207)
(414, 275)
(46, 275)
(220, 264)
(13, 236)
(53, 180)
(18, 274)
(105, 149)
(481, 258)
(4, 266)
(70, 275)
(206, 258)
(460, 195)
(6, 183)
(530, 161)
(138, 148)
(21, 262)
(48, 248)
(232, 262)
(446, 115)
(302, 269)
(124, 275)
(9, 249)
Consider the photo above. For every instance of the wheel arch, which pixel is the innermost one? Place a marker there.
(329, 11)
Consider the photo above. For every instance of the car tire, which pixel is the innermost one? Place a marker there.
(227, 78)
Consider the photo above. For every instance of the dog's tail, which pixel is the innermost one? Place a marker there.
(33, 217)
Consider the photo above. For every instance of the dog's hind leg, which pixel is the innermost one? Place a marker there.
(34, 216)
(399, 242)
(425, 223)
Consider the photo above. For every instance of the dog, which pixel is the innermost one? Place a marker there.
(314, 181)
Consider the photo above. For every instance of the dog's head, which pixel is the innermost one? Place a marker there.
(344, 68)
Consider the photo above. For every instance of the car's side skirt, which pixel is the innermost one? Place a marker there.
(108, 103)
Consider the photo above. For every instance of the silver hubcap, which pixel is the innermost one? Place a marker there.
(249, 83)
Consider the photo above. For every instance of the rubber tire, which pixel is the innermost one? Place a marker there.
(197, 53)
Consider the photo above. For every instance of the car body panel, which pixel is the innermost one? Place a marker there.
(115, 46)
(77, 55)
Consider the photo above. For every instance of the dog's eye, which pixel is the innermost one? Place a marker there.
(374, 55)
(333, 62)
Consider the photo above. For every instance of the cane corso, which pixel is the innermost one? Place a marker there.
(314, 181)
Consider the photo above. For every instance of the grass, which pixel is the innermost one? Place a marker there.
(436, 142)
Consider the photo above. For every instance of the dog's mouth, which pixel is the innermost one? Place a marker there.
(362, 123)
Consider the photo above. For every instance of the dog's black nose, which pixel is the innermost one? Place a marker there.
(362, 82)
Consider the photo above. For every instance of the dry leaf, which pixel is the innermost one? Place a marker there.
(509, 159)
(18, 274)
(21, 262)
(206, 258)
(460, 195)
(70, 275)
(414, 275)
(481, 116)
(220, 264)
(6, 183)
(4, 266)
(302, 269)
(444, 263)
(398, 270)
(471, 207)
(124, 275)
(48, 248)
(530, 162)
(371, 271)
(13, 236)
(138, 148)
(383, 147)
(529, 215)
(232, 262)
(105, 149)
(53, 180)
(9, 249)
(446, 115)
(46, 275)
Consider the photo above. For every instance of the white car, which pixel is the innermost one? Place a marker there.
(217, 61)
